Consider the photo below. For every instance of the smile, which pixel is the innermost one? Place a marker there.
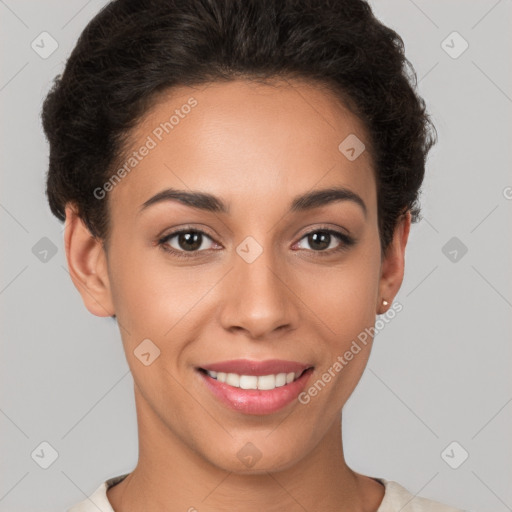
(262, 382)
(254, 388)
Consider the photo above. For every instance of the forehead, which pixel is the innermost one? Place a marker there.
(242, 140)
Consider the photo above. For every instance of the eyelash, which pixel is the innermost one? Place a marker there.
(347, 242)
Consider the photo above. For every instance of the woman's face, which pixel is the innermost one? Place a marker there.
(267, 279)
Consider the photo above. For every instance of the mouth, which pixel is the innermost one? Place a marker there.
(252, 387)
(261, 382)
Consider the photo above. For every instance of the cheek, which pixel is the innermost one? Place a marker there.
(143, 287)
(345, 306)
(156, 299)
(343, 297)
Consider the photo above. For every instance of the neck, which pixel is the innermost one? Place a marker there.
(170, 476)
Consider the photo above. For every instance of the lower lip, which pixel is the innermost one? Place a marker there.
(256, 401)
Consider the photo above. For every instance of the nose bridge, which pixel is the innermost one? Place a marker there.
(257, 298)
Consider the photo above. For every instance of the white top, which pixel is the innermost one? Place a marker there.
(396, 499)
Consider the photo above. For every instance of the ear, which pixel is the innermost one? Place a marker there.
(393, 263)
(87, 264)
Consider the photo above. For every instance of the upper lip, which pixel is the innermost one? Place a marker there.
(257, 368)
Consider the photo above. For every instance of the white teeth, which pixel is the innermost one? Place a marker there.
(266, 382)
(233, 379)
(248, 382)
(263, 382)
(280, 380)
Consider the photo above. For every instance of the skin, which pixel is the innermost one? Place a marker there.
(256, 147)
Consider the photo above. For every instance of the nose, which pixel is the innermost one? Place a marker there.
(258, 298)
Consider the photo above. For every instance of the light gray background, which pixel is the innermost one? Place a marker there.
(438, 373)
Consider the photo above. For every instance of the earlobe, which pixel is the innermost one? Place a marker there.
(87, 266)
(393, 264)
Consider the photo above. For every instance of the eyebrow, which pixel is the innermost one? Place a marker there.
(210, 203)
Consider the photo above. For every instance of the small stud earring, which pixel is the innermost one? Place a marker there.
(385, 302)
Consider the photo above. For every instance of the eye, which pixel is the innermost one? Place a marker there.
(322, 239)
(187, 241)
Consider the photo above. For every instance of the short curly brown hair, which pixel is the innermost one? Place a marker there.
(134, 49)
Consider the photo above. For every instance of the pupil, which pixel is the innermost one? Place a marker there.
(321, 237)
(190, 238)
